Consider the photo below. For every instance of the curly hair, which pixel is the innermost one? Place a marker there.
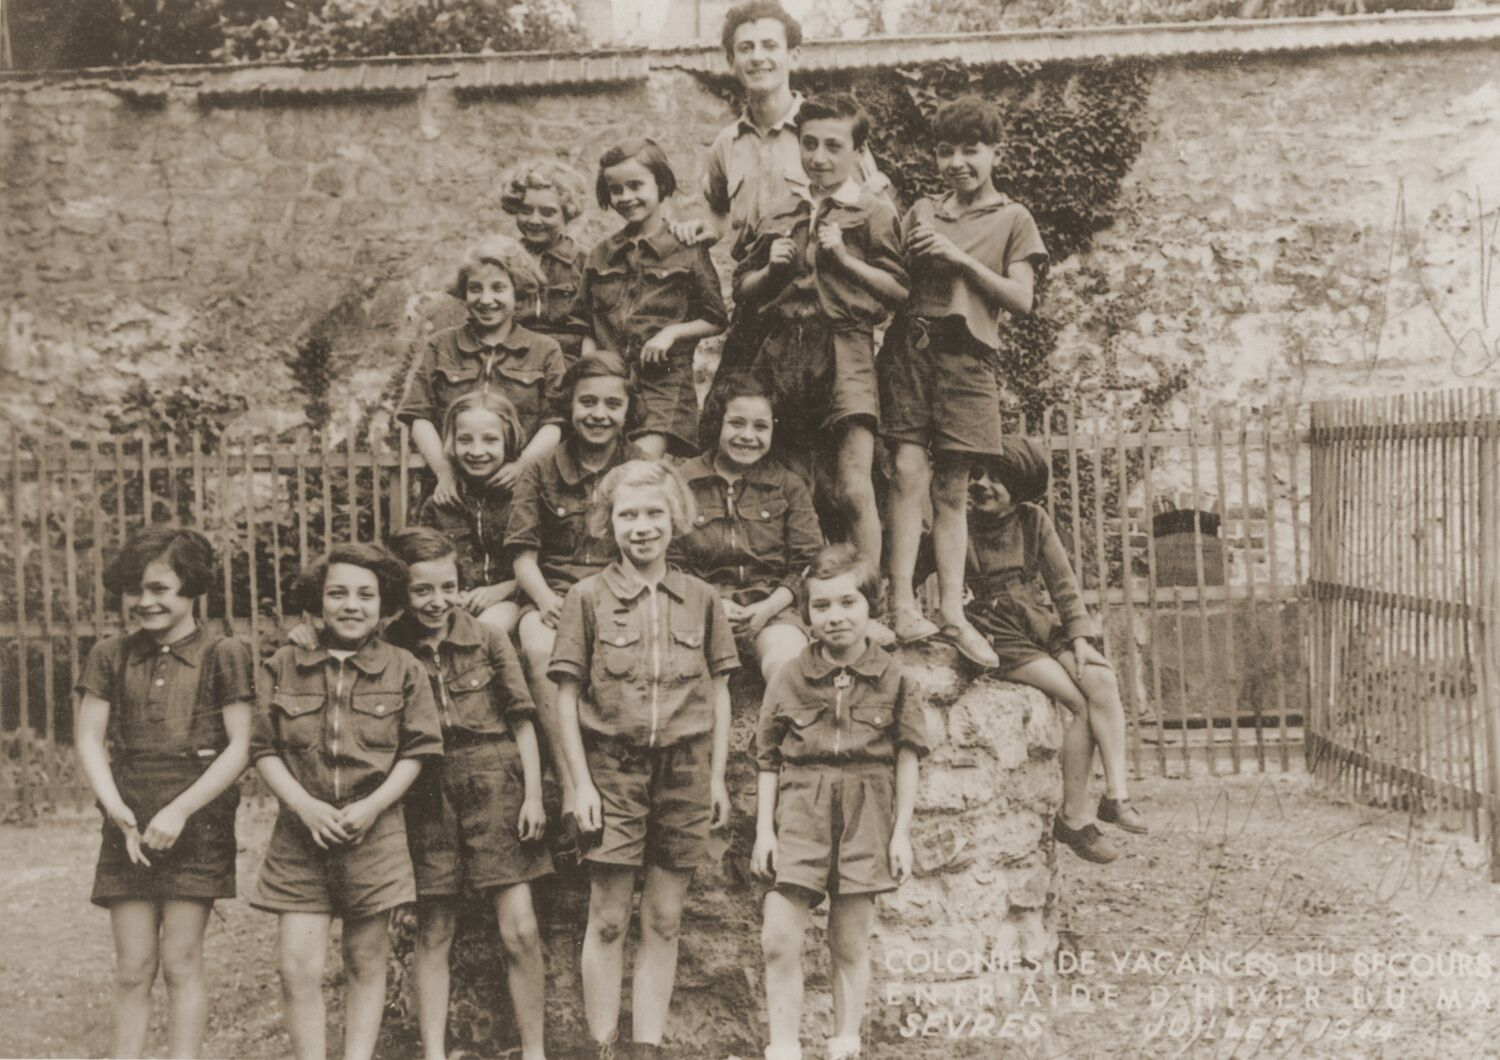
(967, 120)
(646, 474)
(543, 174)
(390, 575)
(187, 552)
(754, 11)
(504, 253)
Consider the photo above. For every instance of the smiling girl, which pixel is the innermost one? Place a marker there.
(643, 657)
(163, 734)
(649, 297)
(545, 196)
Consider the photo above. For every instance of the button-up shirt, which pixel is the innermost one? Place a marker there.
(546, 312)
(816, 711)
(550, 514)
(633, 287)
(341, 725)
(758, 531)
(646, 656)
(997, 234)
(751, 170)
(1007, 557)
(526, 368)
(168, 698)
(476, 525)
(476, 677)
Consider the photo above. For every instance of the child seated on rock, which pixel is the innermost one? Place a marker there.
(1047, 643)
(756, 530)
(841, 731)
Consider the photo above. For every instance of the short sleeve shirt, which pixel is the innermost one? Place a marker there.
(816, 711)
(168, 698)
(750, 171)
(646, 657)
(476, 526)
(476, 677)
(546, 311)
(997, 234)
(527, 369)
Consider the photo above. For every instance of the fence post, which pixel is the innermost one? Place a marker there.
(1484, 635)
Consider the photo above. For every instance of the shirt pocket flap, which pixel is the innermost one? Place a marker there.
(294, 705)
(709, 511)
(376, 704)
(688, 638)
(620, 638)
(771, 508)
(804, 717)
(874, 714)
(475, 677)
(524, 376)
(453, 373)
(666, 273)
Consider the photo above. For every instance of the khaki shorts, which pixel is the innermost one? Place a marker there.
(353, 881)
(834, 827)
(656, 800)
(938, 389)
(461, 822)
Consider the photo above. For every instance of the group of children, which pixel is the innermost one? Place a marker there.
(570, 510)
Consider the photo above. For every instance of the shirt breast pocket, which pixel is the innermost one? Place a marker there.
(377, 719)
(618, 652)
(876, 716)
(523, 386)
(470, 692)
(664, 292)
(607, 291)
(686, 659)
(557, 299)
(449, 384)
(563, 526)
(299, 719)
(764, 519)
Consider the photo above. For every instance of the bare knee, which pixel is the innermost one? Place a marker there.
(608, 925)
(1100, 686)
(663, 922)
(182, 964)
(135, 972)
(849, 948)
(301, 974)
(519, 935)
(435, 931)
(365, 953)
(780, 944)
(911, 467)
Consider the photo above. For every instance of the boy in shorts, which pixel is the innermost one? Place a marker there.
(819, 273)
(977, 253)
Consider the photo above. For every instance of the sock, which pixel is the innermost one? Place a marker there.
(843, 1048)
(783, 1052)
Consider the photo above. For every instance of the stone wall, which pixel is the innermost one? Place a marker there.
(1296, 226)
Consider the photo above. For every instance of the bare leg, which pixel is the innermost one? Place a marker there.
(950, 535)
(525, 971)
(777, 645)
(302, 942)
(436, 919)
(1107, 718)
(656, 959)
(781, 935)
(182, 926)
(603, 962)
(849, 920)
(135, 926)
(1077, 755)
(502, 616)
(653, 445)
(367, 947)
(537, 639)
(909, 487)
(857, 490)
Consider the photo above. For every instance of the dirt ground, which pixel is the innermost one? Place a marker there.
(1262, 918)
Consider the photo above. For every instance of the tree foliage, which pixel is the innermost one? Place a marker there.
(973, 16)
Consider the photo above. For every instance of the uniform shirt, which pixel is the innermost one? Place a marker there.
(475, 675)
(546, 312)
(550, 514)
(168, 698)
(819, 289)
(646, 658)
(341, 725)
(818, 712)
(476, 526)
(1006, 557)
(527, 369)
(750, 171)
(633, 287)
(997, 234)
(759, 531)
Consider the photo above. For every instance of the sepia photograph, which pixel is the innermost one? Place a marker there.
(750, 529)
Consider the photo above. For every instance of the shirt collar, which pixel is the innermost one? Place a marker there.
(846, 194)
(520, 341)
(746, 127)
(626, 586)
(816, 665)
(463, 631)
(373, 656)
(702, 466)
(143, 645)
(571, 468)
(564, 250)
(661, 244)
(948, 207)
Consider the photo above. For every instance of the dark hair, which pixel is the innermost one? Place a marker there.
(832, 561)
(187, 552)
(638, 149)
(754, 11)
(601, 364)
(968, 120)
(390, 576)
(418, 544)
(738, 385)
(836, 106)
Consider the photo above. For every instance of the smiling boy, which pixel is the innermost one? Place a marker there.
(977, 254)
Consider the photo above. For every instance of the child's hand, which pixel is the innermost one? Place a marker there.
(506, 476)
(763, 856)
(302, 635)
(783, 252)
(831, 240)
(1087, 655)
(756, 618)
(738, 614)
(357, 819)
(692, 232)
(901, 856)
(655, 350)
(532, 821)
(123, 818)
(446, 493)
(551, 611)
(323, 822)
(926, 242)
(586, 807)
(719, 797)
(164, 828)
(477, 599)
